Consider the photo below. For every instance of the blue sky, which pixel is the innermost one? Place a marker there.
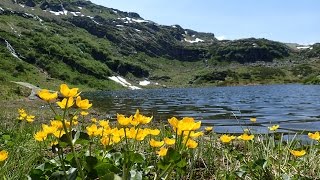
(281, 20)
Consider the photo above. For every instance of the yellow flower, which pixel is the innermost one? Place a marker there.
(106, 141)
(59, 133)
(40, 136)
(83, 104)
(155, 143)
(246, 137)
(49, 129)
(66, 92)
(169, 141)
(57, 124)
(3, 155)
(226, 138)
(314, 136)
(45, 95)
(154, 132)
(188, 124)
(104, 124)
(124, 121)
(93, 130)
(173, 122)
(66, 103)
(208, 129)
(21, 111)
(273, 128)
(253, 119)
(195, 135)
(116, 139)
(131, 133)
(297, 153)
(30, 118)
(54, 143)
(191, 144)
(140, 118)
(94, 120)
(22, 114)
(84, 113)
(142, 133)
(162, 151)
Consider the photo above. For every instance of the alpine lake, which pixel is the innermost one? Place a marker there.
(295, 107)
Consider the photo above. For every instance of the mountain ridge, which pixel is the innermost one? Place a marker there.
(79, 42)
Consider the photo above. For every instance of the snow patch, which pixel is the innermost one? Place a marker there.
(34, 17)
(220, 38)
(115, 11)
(303, 47)
(193, 36)
(123, 82)
(12, 51)
(137, 30)
(96, 22)
(144, 83)
(174, 26)
(75, 13)
(194, 41)
(22, 5)
(131, 20)
(118, 25)
(57, 13)
(1, 9)
(79, 7)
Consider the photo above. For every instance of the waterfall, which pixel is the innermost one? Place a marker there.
(12, 51)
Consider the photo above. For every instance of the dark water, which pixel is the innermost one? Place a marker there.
(228, 109)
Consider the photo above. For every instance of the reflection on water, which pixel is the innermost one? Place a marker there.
(294, 107)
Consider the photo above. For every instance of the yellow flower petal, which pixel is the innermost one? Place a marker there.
(226, 138)
(3, 155)
(314, 136)
(67, 92)
(162, 151)
(155, 143)
(297, 153)
(246, 137)
(273, 128)
(46, 95)
(66, 103)
(83, 104)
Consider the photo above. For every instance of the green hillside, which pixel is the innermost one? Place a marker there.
(80, 43)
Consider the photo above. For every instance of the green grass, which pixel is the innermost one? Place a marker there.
(266, 157)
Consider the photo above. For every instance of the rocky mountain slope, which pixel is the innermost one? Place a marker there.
(76, 41)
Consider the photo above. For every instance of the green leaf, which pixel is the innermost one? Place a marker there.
(6, 137)
(135, 175)
(58, 117)
(91, 161)
(72, 174)
(261, 163)
(182, 163)
(104, 168)
(57, 175)
(172, 155)
(110, 176)
(84, 136)
(136, 157)
(36, 174)
(76, 137)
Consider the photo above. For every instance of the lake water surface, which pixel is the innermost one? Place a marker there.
(294, 107)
